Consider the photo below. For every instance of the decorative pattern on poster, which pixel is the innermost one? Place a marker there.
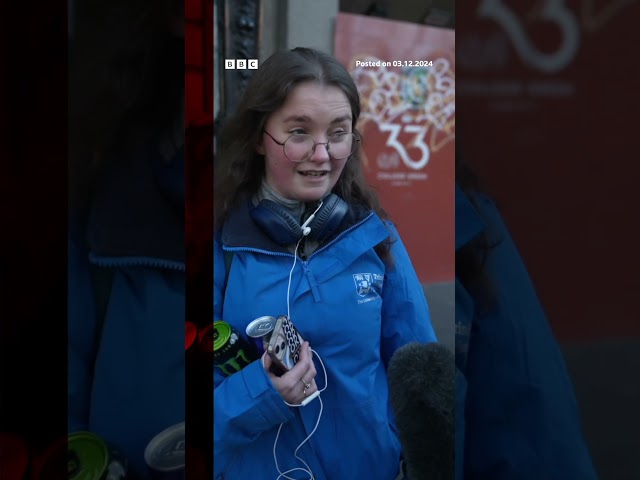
(414, 106)
(405, 74)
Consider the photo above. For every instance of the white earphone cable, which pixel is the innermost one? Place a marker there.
(275, 443)
(295, 259)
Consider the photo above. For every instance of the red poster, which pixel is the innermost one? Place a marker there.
(548, 93)
(406, 77)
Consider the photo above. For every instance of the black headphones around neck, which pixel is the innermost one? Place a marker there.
(285, 230)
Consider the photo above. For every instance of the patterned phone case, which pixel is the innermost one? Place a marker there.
(284, 344)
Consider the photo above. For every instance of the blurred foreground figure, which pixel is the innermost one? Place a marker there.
(126, 218)
(517, 416)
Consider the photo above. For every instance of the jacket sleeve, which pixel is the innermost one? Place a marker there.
(246, 403)
(405, 314)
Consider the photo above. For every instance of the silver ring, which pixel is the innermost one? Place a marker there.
(307, 385)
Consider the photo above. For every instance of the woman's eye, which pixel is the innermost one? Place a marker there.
(338, 134)
(297, 131)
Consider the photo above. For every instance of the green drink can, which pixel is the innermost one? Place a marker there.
(90, 458)
(231, 353)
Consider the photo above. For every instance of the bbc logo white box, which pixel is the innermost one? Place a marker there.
(241, 63)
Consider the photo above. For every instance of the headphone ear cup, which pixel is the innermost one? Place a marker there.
(276, 222)
(328, 217)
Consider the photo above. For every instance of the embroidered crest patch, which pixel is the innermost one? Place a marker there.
(363, 283)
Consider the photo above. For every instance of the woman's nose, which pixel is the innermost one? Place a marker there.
(320, 153)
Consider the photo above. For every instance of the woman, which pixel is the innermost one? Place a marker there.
(347, 283)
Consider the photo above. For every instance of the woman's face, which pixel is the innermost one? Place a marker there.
(319, 111)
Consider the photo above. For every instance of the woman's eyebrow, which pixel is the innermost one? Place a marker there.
(305, 119)
(341, 119)
(297, 119)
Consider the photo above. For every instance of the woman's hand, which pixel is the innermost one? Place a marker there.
(292, 385)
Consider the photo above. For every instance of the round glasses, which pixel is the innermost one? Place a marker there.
(300, 147)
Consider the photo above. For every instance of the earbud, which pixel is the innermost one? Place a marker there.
(306, 230)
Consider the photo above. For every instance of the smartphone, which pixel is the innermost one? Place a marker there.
(283, 346)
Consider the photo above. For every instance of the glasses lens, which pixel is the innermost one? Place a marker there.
(299, 148)
(341, 145)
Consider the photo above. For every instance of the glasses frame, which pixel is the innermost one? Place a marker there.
(315, 144)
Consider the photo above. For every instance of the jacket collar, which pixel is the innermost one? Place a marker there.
(240, 231)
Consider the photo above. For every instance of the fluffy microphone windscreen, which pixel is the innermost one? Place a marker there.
(422, 394)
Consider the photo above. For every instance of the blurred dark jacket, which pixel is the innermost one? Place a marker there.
(126, 377)
(517, 415)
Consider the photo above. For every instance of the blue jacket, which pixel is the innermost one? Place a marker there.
(354, 328)
(517, 415)
(126, 368)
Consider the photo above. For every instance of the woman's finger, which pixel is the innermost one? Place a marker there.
(267, 363)
(304, 352)
(308, 391)
(301, 367)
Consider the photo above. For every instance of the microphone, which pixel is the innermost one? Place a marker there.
(421, 380)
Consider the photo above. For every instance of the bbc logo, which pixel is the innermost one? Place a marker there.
(241, 64)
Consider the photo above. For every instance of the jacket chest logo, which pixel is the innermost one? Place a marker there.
(367, 283)
(363, 282)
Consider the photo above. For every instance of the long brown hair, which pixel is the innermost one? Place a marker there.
(240, 169)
